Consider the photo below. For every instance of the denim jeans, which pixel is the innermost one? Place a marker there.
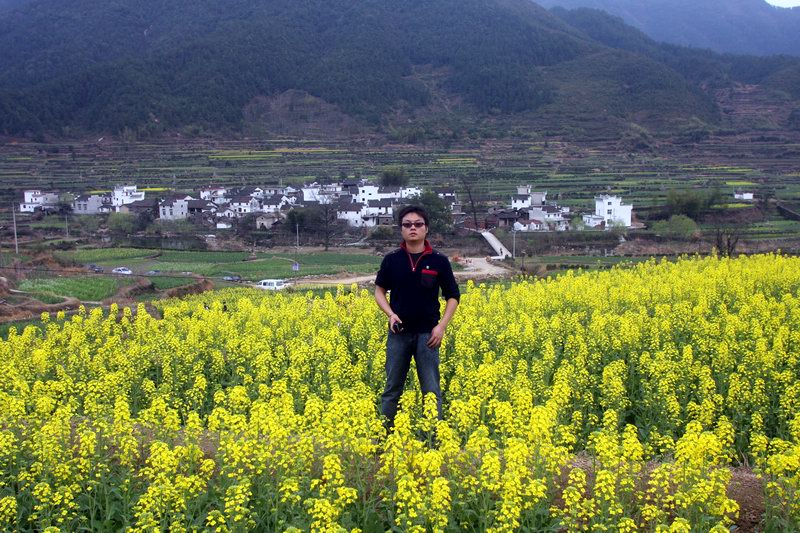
(400, 347)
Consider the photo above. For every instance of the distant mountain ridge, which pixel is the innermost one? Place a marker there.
(729, 26)
(410, 67)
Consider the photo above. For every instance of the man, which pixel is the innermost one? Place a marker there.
(413, 275)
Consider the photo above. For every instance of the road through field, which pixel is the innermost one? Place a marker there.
(474, 268)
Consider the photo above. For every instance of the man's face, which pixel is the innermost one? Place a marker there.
(413, 228)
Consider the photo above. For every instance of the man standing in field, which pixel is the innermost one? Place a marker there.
(413, 275)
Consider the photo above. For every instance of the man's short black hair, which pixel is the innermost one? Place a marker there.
(412, 209)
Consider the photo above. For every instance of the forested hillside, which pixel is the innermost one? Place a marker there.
(75, 66)
(729, 26)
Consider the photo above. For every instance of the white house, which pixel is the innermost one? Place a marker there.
(612, 210)
(125, 194)
(351, 214)
(366, 192)
(34, 199)
(526, 197)
(213, 193)
(530, 225)
(174, 209)
(745, 196)
(552, 215)
(521, 201)
(274, 203)
(244, 205)
(379, 207)
(537, 197)
(272, 190)
(408, 192)
(593, 221)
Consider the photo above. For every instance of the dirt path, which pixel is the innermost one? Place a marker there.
(474, 268)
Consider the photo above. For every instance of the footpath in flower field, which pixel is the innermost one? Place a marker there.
(619, 400)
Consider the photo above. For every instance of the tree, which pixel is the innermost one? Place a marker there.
(726, 241)
(468, 186)
(678, 227)
(324, 220)
(693, 202)
(121, 223)
(394, 176)
(438, 211)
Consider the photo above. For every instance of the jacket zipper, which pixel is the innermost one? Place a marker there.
(411, 261)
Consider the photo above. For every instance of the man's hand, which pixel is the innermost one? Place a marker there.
(437, 334)
(395, 324)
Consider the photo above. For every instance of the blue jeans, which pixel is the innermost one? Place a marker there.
(400, 347)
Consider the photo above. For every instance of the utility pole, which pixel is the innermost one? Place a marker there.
(513, 243)
(14, 218)
(297, 241)
(66, 224)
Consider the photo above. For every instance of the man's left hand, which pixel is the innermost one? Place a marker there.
(437, 334)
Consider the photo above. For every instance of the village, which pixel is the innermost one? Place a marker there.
(355, 203)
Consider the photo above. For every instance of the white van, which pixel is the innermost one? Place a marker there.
(272, 284)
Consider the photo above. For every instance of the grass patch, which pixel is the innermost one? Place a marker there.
(99, 255)
(163, 283)
(93, 288)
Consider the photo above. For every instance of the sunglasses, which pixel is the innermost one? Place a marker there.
(414, 224)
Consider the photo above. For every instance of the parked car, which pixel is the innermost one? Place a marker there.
(272, 284)
(232, 278)
(94, 268)
(153, 272)
(122, 270)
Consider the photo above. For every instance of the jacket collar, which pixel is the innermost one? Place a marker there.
(428, 248)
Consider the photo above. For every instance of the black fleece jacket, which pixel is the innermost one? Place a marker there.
(414, 286)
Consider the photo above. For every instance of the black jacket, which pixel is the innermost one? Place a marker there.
(414, 286)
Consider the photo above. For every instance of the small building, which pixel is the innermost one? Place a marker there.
(507, 218)
(125, 194)
(244, 205)
(92, 204)
(743, 196)
(201, 208)
(174, 209)
(593, 221)
(520, 201)
(613, 211)
(351, 213)
(213, 193)
(530, 225)
(36, 199)
(142, 206)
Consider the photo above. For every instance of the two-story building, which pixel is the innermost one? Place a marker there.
(125, 194)
(174, 208)
(36, 199)
(92, 204)
(613, 211)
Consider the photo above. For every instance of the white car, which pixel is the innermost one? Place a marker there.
(122, 270)
(272, 284)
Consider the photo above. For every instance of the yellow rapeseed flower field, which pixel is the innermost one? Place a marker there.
(604, 401)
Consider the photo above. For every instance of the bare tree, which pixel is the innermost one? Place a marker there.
(726, 241)
(468, 189)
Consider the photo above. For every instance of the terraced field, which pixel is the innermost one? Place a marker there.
(576, 171)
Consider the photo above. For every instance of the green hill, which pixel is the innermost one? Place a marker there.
(147, 67)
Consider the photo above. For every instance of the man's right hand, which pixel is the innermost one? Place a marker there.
(395, 324)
